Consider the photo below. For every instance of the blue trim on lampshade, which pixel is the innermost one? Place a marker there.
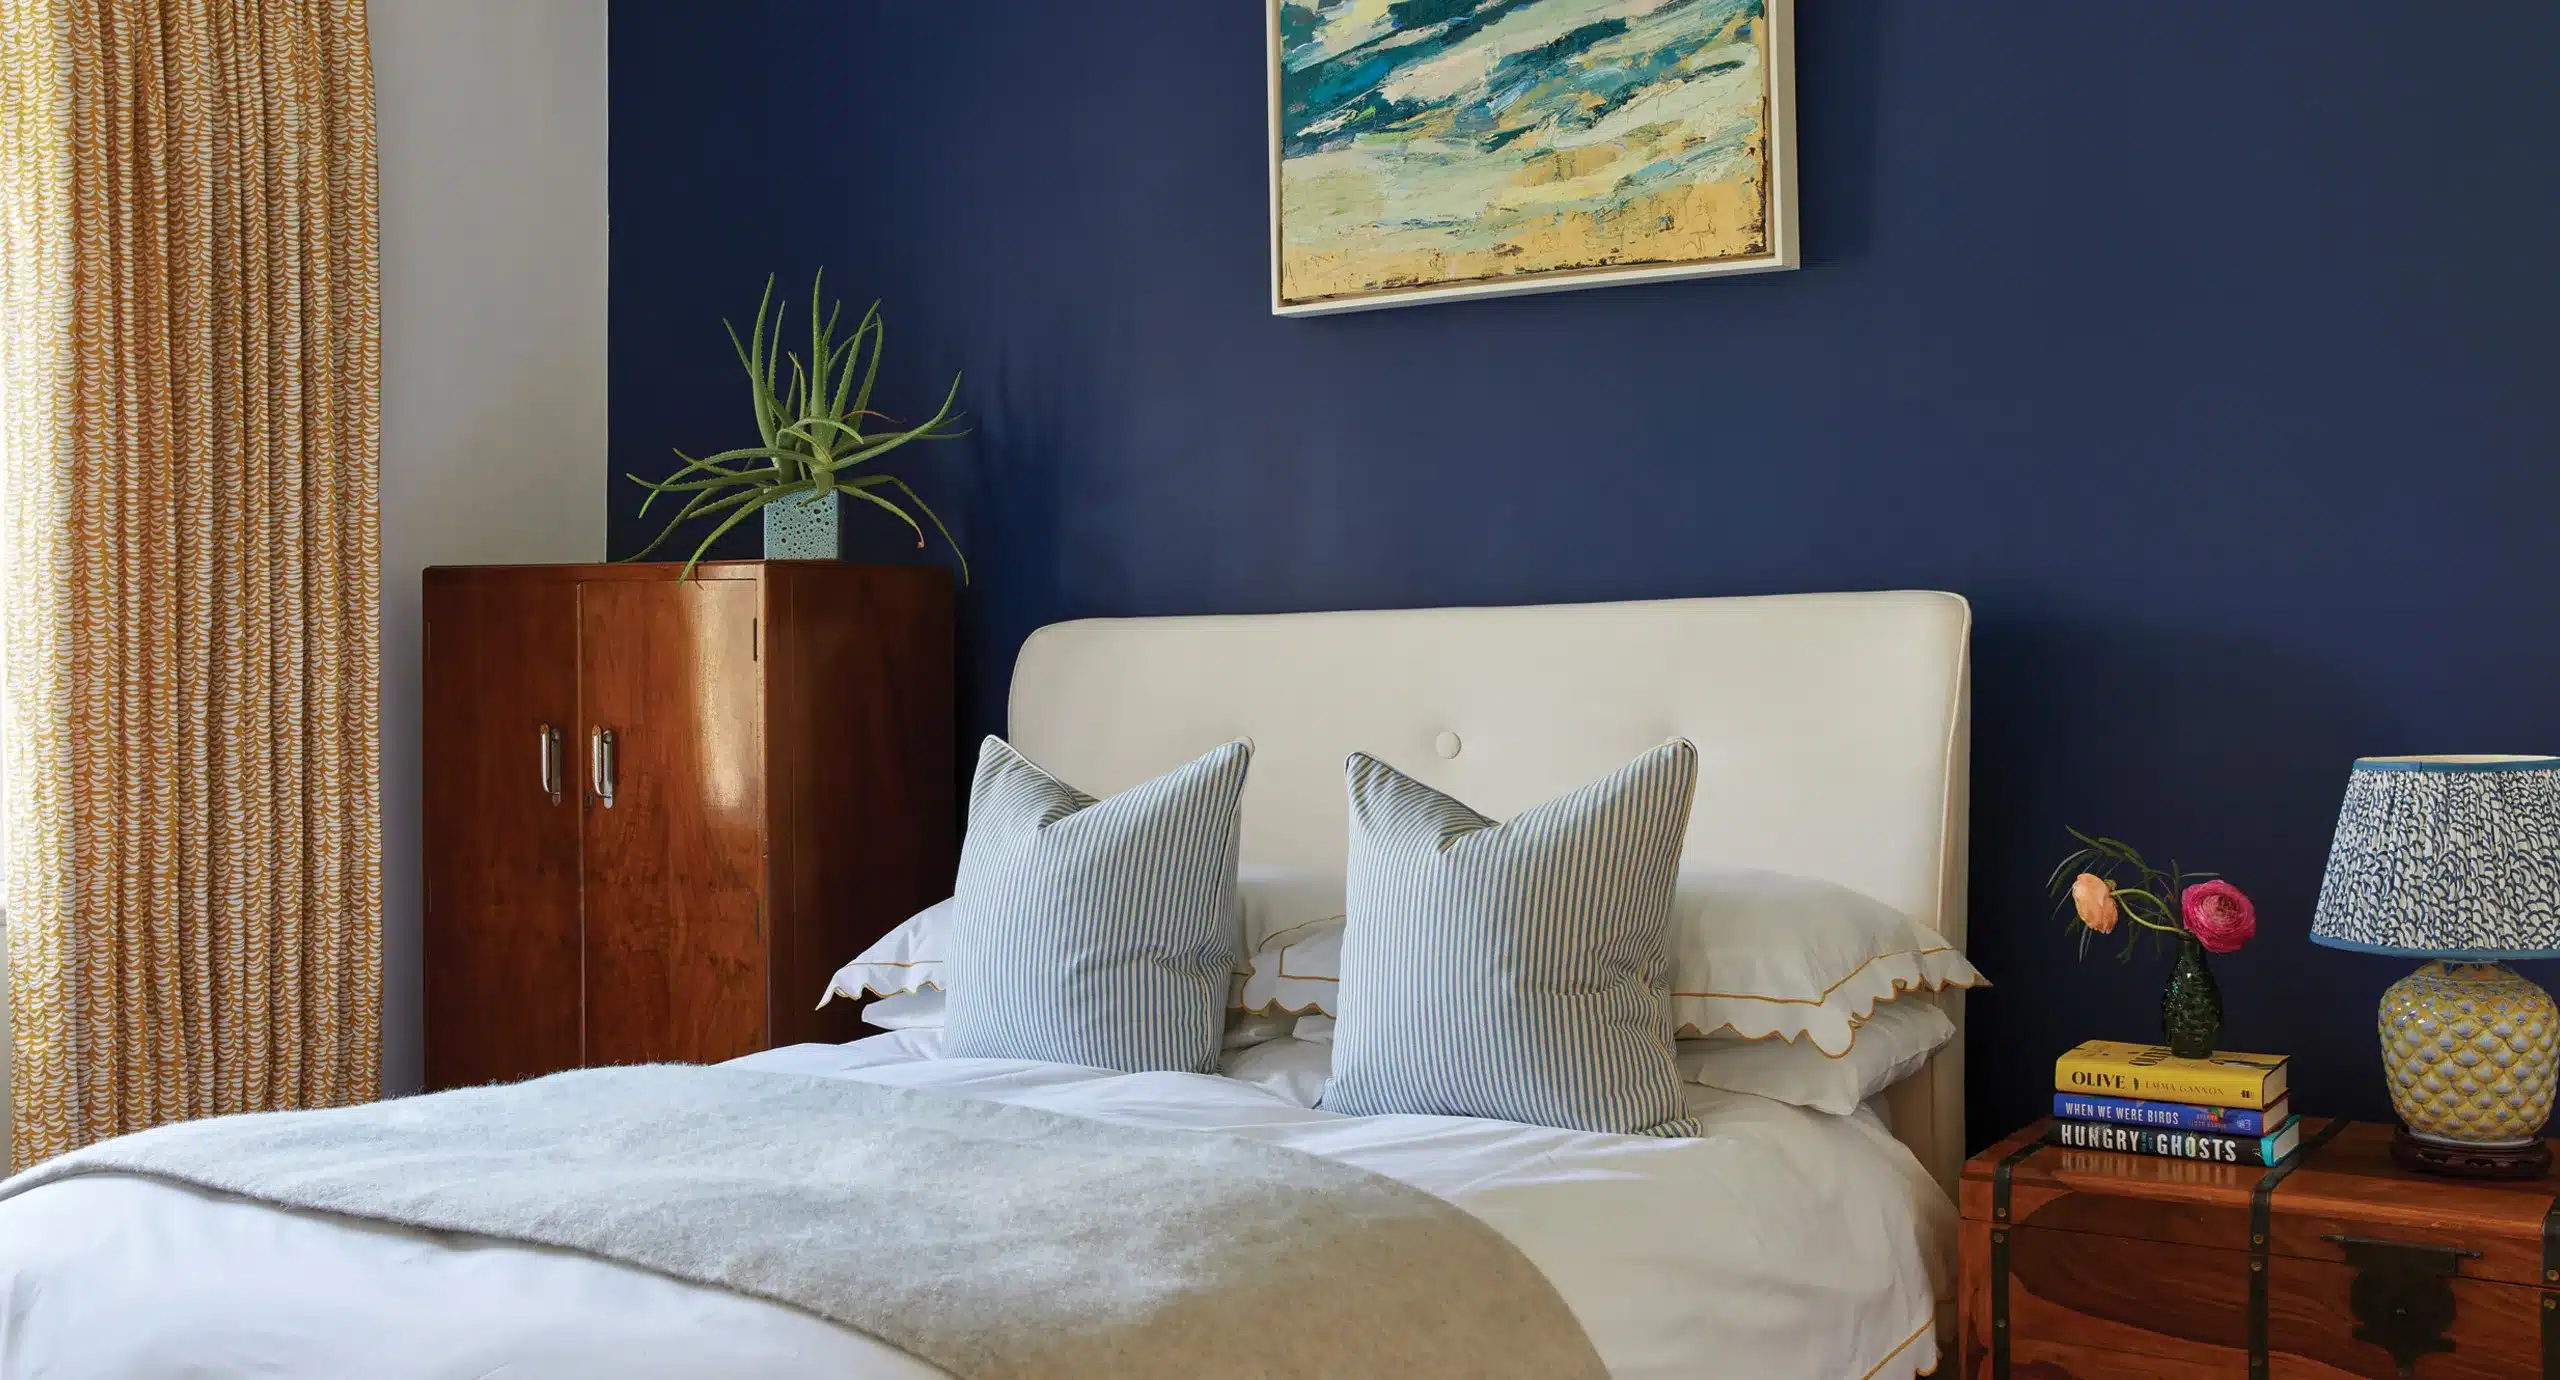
(2445, 859)
(2448, 955)
(2519, 763)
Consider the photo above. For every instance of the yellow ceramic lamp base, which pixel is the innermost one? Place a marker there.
(2472, 1053)
(2451, 858)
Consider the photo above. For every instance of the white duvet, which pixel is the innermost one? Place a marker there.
(1786, 1243)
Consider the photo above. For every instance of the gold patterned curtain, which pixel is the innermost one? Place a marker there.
(193, 857)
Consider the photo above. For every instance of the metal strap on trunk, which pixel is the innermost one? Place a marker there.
(2000, 1254)
(2261, 1204)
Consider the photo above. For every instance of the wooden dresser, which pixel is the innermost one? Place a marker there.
(660, 812)
(2088, 1265)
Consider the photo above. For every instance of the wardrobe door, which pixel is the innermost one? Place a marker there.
(671, 720)
(500, 942)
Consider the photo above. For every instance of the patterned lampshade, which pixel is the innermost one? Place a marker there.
(2446, 857)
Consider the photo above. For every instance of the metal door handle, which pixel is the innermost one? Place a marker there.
(604, 765)
(550, 762)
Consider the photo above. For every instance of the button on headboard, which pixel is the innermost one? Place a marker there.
(1832, 732)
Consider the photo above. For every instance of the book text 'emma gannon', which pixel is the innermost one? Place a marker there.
(2116, 1068)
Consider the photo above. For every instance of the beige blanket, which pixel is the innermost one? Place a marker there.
(991, 1240)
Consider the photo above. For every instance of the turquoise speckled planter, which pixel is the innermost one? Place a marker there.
(805, 528)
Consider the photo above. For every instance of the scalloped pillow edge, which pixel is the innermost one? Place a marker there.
(1281, 985)
(865, 988)
(1831, 1021)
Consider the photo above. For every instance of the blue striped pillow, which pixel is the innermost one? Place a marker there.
(1089, 932)
(1519, 970)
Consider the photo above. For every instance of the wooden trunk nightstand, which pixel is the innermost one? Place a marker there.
(2086, 1265)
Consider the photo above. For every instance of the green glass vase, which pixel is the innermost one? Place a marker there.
(2191, 1005)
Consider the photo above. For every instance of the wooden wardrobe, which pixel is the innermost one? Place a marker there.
(660, 812)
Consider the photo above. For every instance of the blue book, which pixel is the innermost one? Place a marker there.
(2171, 1116)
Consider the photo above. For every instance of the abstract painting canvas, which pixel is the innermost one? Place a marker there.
(1424, 150)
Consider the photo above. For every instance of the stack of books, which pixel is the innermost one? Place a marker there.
(2229, 1109)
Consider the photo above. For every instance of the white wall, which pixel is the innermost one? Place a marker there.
(491, 117)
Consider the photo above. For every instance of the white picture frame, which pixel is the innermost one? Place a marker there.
(1782, 250)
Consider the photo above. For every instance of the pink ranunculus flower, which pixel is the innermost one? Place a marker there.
(2219, 916)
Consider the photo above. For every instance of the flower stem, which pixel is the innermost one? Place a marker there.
(2134, 915)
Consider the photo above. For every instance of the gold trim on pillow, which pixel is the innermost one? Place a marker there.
(1301, 925)
(1274, 1008)
(1925, 1329)
(835, 990)
(1871, 960)
(1753, 1040)
(1689, 1031)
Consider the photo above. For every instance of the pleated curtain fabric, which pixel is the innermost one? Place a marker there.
(193, 394)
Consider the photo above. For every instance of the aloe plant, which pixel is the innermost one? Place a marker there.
(813, 429)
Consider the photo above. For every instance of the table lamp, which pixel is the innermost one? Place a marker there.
(2456, 860)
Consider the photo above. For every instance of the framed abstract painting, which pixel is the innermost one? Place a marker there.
(1433, 150)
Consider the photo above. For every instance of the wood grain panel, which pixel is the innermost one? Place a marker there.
(675, 951)
(2183, 1306)
(2129, 1265)
(2350, 1187)
(2181, 1201)
(788, 772)
(2353, 1188)
(501, 934)
(2496, 1334)
(858, 681)
(2086, 1306)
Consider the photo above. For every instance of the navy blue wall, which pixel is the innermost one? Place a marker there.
(2211, 357)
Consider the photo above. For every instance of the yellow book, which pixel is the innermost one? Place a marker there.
(2118, 1068)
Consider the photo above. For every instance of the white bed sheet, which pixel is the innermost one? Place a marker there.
(1786, 1243)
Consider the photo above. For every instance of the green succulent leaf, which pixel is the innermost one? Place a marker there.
(865, 494)
(810, 422)
(879, 331)
(755, 503)
(701, 505)
(918, 500)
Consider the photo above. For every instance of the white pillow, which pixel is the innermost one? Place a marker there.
(1293, 1069)
(904, 971)
(1297, 970)
(919, 1010)
(1765, 954)
(906, 959)
(1758, 954)
(922, 1010)
(1245, 1029)
(1892, 1044)
(910, 957)
(1278, 899)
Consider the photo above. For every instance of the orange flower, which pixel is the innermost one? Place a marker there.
(2096, 902)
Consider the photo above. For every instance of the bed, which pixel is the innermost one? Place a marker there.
(1832, 731)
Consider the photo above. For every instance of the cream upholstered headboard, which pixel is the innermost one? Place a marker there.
(1832, 732)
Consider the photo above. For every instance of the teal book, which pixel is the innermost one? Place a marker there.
(2178, 1145)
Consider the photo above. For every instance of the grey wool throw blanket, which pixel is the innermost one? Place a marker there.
(993, 1241)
